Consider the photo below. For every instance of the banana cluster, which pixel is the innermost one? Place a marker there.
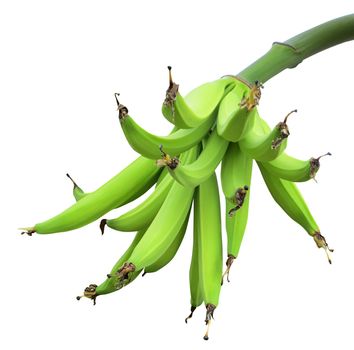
(216, 123)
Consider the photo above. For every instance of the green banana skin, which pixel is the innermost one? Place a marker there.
(194, 174)
(126, 186)
(142, 215)
(207, 202)
(235, 122)
(293, 169)
(112, 284)
(78, 193)
(198, 106)
(236, 172)
(163, 174)
(148, 145)
(196, 295)
(171, 251)
(289, 198)
(266, 147)
(164, 228)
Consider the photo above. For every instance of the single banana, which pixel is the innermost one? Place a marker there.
(196, 295)
(77, 191)
(198, 106)
(237, 111)
(163, 229)
(236, 173)
(289, 198)
(207, 204)
(126, 186)
(142, 215)
(148, 145)
(171, 251)
(112, 283)
(192, 175)
(293, 169)
(266, 147)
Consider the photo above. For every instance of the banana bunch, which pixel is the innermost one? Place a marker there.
(216, 123)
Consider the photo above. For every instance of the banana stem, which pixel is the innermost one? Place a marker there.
(229, 261)
(323, 155)
(206, 335)
(123, 111)
(167, 160)
(74, 183)
(292, 52)
(171, 93)
(315, 165)
(287, 116)
(191, 314)
(90, 293)
(170, 80)
(322, 243)
(210, 308)
(103, 224)
(27, 230)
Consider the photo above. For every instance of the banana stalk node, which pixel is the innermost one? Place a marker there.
(193, 308)
(123, 111)
(252, 100)
(238, 199)
(315, 165)
(171, 92)
(209, 316)
(283, 131)
(321, 243)
(229, 261)
(89, 292)
(167, 160)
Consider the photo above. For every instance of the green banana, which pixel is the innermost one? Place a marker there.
(293, 169)
(192, 175)
(142, 215)
(196, 295)
(266, 147)
(289, 198)
(148, 145)
(112, 283)
(163, 229)
(163, 174)
(237, 111)
(236, 173)
(126, 186)
(198, 106)
(207, 204)
(77, 191)
(171, 251)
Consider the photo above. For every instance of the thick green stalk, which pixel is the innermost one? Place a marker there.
(290, 53)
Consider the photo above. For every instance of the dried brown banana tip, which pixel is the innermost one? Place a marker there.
(322, 243)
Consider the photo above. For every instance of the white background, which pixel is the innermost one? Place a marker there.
(61, 62)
